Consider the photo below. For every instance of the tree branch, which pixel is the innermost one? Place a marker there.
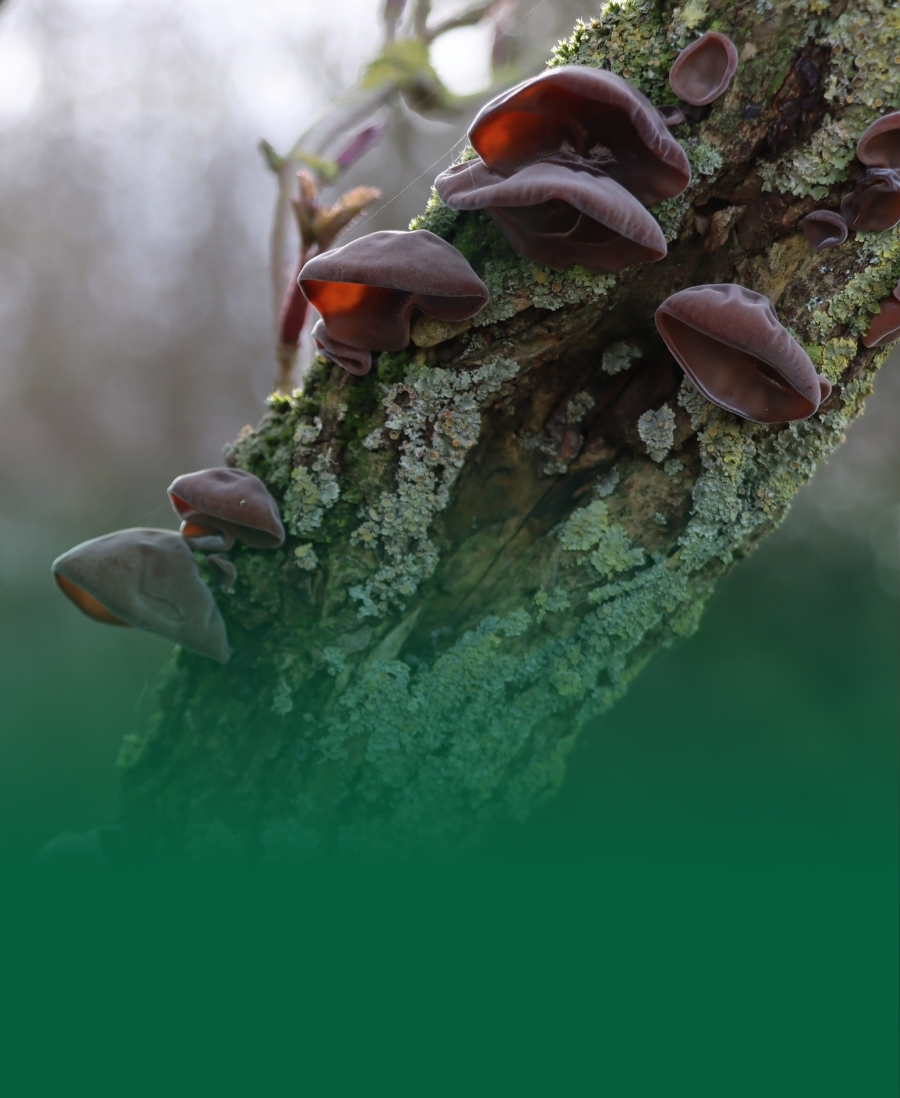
(483, 553)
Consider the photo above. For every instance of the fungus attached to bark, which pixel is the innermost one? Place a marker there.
(583, 114)
(824, 229)
(703, 70)
(352, 360)
(367, 291)
(884, 327)
(218, 506)
(148, 579)
(559, 214)
(879, 146)
(874, 203)
(671, 115)
(729, 341)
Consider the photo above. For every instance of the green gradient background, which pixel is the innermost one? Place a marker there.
(708, 908)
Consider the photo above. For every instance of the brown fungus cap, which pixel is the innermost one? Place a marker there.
(874, 204)
(703, 70)
(587, 114)
(148, 579)
(884, 327)
(367, 291)
(729, 341)
(824, 229)
(879, 146)
(221, 505)
(558, 214)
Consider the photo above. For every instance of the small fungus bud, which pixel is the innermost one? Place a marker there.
(148, 579)
(583, 114)
(703, 70)
(874, 204)
(824, 229)
(884, 327)
(218, 506)
(367, 291)
(557, 214)
(671, 115)
(729, 341)
(879, 146)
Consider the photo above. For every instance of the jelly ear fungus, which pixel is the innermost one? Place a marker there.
(729, 341)
(218, 506)
(583, 114)
(884, 326)
(703, 70)
(824, 229)
(367, 291)
(149, 579)
(559, 214)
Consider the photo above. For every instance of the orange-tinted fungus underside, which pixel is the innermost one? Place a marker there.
(735, 379)
(87, 603)
(508, 136)
(195, 530)
(333, 298)
(179, 504)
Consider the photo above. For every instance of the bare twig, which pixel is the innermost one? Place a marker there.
(469, 18)
(420, 18)
(313, 149)
(391, 14)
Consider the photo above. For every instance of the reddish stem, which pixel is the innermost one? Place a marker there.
(293, 311)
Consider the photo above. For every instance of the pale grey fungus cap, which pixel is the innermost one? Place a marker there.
(149, 579)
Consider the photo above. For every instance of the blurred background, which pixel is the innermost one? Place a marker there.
(728, 830)
(136, 340)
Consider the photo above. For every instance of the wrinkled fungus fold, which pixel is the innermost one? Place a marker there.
(559, 215)
(149, 579)
(703, 70)
(731, 344)
(349, 358)
(874, 203)
(586, 114)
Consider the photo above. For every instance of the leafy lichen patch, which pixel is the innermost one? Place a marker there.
(862, 83)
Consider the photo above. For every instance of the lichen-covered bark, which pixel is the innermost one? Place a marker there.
(487, 540)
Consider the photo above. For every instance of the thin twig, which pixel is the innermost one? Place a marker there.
(469, 18)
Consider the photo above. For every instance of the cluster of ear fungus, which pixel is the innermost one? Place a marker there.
(149, 579)
(569, 163)
(570, 160)
(874, 203)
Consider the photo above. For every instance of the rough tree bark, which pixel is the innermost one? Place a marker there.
(483, 553)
